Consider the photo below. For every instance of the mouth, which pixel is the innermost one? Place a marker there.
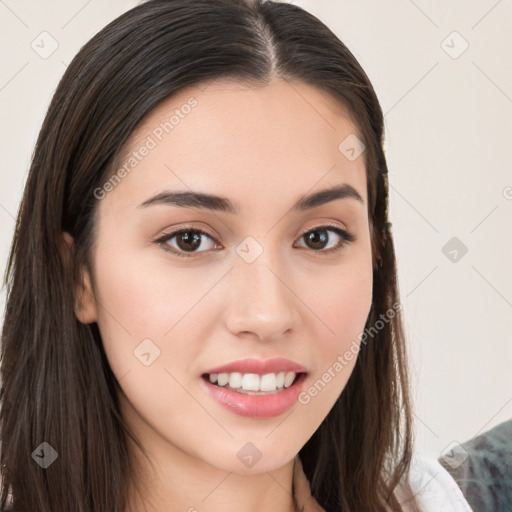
(253, 383)
(254, 395)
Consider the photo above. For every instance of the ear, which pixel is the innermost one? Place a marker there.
(85, 304)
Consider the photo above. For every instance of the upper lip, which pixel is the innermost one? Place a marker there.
(259, 366)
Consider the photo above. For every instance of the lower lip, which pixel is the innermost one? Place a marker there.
(256, 406)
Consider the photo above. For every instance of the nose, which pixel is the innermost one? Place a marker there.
(262, 303)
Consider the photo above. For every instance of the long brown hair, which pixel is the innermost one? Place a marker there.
(57, 386)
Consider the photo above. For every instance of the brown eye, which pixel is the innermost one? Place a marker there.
(317, 239)
(320, 240)
(186, 241)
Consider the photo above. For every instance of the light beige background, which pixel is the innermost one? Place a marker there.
(448, 140)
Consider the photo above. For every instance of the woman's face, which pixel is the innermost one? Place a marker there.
(269, 277)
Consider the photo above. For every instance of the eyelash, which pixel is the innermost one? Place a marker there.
(346, 238)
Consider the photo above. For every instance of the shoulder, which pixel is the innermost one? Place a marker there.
(432, 487)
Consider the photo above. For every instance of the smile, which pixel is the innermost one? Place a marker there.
(256, 404)
(252, 383)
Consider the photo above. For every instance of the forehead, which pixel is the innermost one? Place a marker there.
(281, 136)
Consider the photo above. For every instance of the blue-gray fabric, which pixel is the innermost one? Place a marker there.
(485, 473)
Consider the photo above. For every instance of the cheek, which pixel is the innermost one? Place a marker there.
(146, 298)
(342, 303)
(147, 306)
(337, 349)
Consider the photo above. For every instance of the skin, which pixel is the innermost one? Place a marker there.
(264, 148)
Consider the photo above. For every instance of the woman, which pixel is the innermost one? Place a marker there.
(203, 309)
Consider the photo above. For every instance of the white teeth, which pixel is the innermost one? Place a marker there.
(235, 380)
(290, 376)
(268, 382)
(253, 382)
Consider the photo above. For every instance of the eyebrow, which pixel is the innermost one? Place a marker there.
(190, 199)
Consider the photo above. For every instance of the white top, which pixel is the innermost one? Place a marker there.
(434, 488)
